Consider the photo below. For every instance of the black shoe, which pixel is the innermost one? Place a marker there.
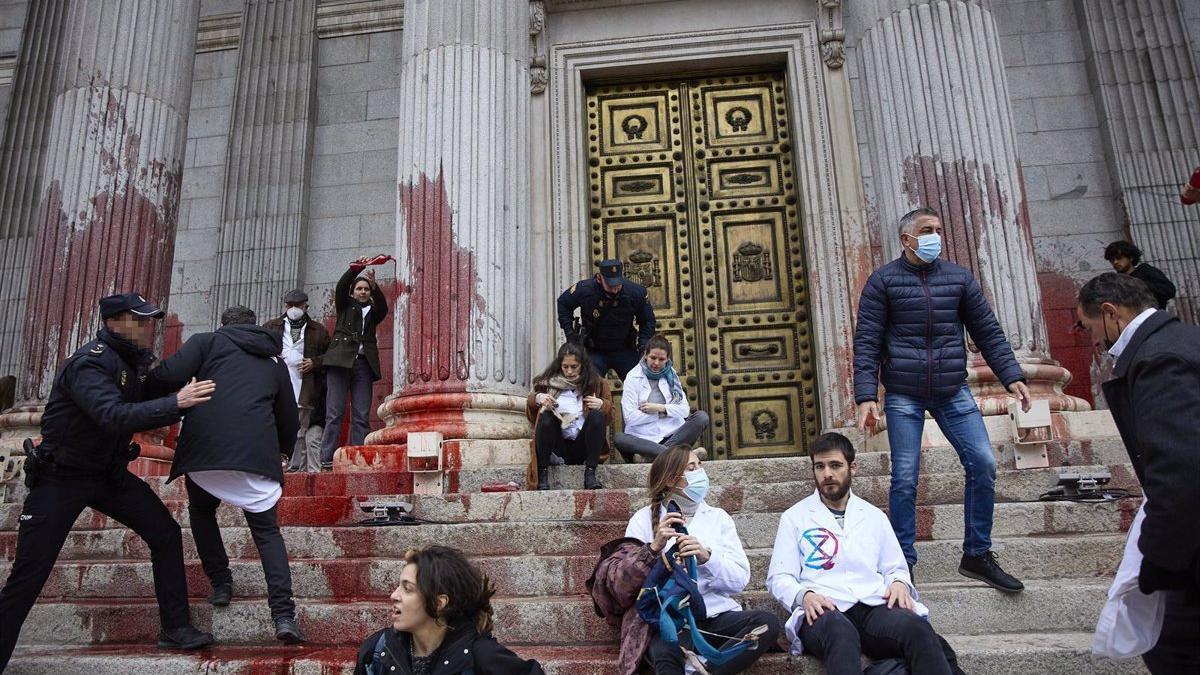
(221, 595)
(544, 479)
(327, 466)
(983, 567)
(590, 482)
(288, 631)
(184, 637)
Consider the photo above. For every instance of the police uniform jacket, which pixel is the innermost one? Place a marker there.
(352, 329)
(98, 402)
(252, 416)
(464, 650)
(607, 319)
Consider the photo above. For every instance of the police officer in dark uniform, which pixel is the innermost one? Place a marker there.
(97, 403)
(608, 306)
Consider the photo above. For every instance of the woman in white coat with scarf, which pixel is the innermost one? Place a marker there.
(655, 407)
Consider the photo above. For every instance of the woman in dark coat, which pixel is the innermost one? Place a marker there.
(441, 623)
(352, 362)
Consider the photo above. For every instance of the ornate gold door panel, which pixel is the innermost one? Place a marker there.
(693, 187)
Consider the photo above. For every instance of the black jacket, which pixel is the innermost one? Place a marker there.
(463, 651)
(98, 402)
(910, 332)
(1160, 286)
(252, 416)
(608, 320)
(352, 330)
(1154, 398)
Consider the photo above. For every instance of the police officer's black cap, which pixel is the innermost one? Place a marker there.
(612, 271)
(128, 302)
(295, 297)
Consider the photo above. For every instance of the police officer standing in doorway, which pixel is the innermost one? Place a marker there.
(96, 405)
(608, 306)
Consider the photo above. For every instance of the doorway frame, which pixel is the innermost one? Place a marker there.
(830, 199)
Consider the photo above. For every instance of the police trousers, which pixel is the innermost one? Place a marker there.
(50, 510)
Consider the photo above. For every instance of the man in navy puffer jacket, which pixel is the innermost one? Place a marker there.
(910, 335)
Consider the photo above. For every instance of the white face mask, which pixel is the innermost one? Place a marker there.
(295, 313)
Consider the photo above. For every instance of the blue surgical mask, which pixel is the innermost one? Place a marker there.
(929, 247)
(697, 485)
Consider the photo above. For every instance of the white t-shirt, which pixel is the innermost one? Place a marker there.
(247, 491)
(365, 311)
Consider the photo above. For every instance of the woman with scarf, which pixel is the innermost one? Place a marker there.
(571, 408)
(676, 476)
(441, 623)
(655, 407)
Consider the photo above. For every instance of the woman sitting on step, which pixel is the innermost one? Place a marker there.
(676, 476)
(570, 407)
(655, 407)
(441, 623)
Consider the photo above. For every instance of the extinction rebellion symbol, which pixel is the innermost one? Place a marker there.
(824, 548)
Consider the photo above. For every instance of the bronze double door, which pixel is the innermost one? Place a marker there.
(694, 186)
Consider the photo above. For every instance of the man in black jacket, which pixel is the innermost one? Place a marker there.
(1154, 398)
(98, 402)
(1126, 258)
(909, 335)
(229, 450)
(609, 305)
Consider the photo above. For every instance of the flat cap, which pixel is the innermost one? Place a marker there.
(295, 296)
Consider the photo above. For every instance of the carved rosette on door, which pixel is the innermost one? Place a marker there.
(693, 186)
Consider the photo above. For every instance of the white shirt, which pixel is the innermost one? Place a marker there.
(1127, 334)
(727, 571)
(570, 402)
(653, 427)
(247, 491)
(365, 311)
(850, 563)
(292, 355)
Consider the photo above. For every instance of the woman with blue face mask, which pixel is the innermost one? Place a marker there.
(655, 407)
(677, 476)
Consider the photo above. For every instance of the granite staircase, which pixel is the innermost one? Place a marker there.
(97, 613)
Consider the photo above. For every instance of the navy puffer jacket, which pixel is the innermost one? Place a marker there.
(910, 329)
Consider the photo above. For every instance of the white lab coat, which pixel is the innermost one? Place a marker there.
(654, 427)
(1131, 621)
(292, 355)
(847, 564)
(727, 571)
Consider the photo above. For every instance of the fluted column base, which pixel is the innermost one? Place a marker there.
(1045, 378)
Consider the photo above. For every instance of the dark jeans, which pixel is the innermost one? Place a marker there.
(50, 510)
(668, 659)
(1178, 647)
(264, 527)
(583, 449)
(622, 361)
(959, 418)
(840, 638)
(339, 382)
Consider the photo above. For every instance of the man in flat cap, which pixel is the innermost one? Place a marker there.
(304, 343)
(99, 400)
(609, 305)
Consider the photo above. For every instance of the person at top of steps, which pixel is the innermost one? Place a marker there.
(655, 408)
(676, 476)
(570, 407)
(441, 623)
(838, 569)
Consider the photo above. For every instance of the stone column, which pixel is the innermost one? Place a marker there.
(940, 132)
(463, 315)
(109, 198)
(269, 159)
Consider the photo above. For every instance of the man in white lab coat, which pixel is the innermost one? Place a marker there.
(838, 568)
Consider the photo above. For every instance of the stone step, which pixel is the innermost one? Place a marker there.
(966, 608)
(608, 504)
(757, 530)
(523, 576)
(1003, 654)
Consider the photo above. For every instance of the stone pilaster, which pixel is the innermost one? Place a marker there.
(1147, 85)
(940, 131)
(21, 159)
(268, 167)
(463, 315)
(109, 197)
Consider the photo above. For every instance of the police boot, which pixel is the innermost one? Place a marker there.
(544, 478)
(288, 631)
(184, 637)
(590, 482)
(221, 595)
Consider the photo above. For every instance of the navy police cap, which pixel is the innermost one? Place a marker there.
(128, 302)
(612, 270)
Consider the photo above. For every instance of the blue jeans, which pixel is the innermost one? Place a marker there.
(959, 418)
